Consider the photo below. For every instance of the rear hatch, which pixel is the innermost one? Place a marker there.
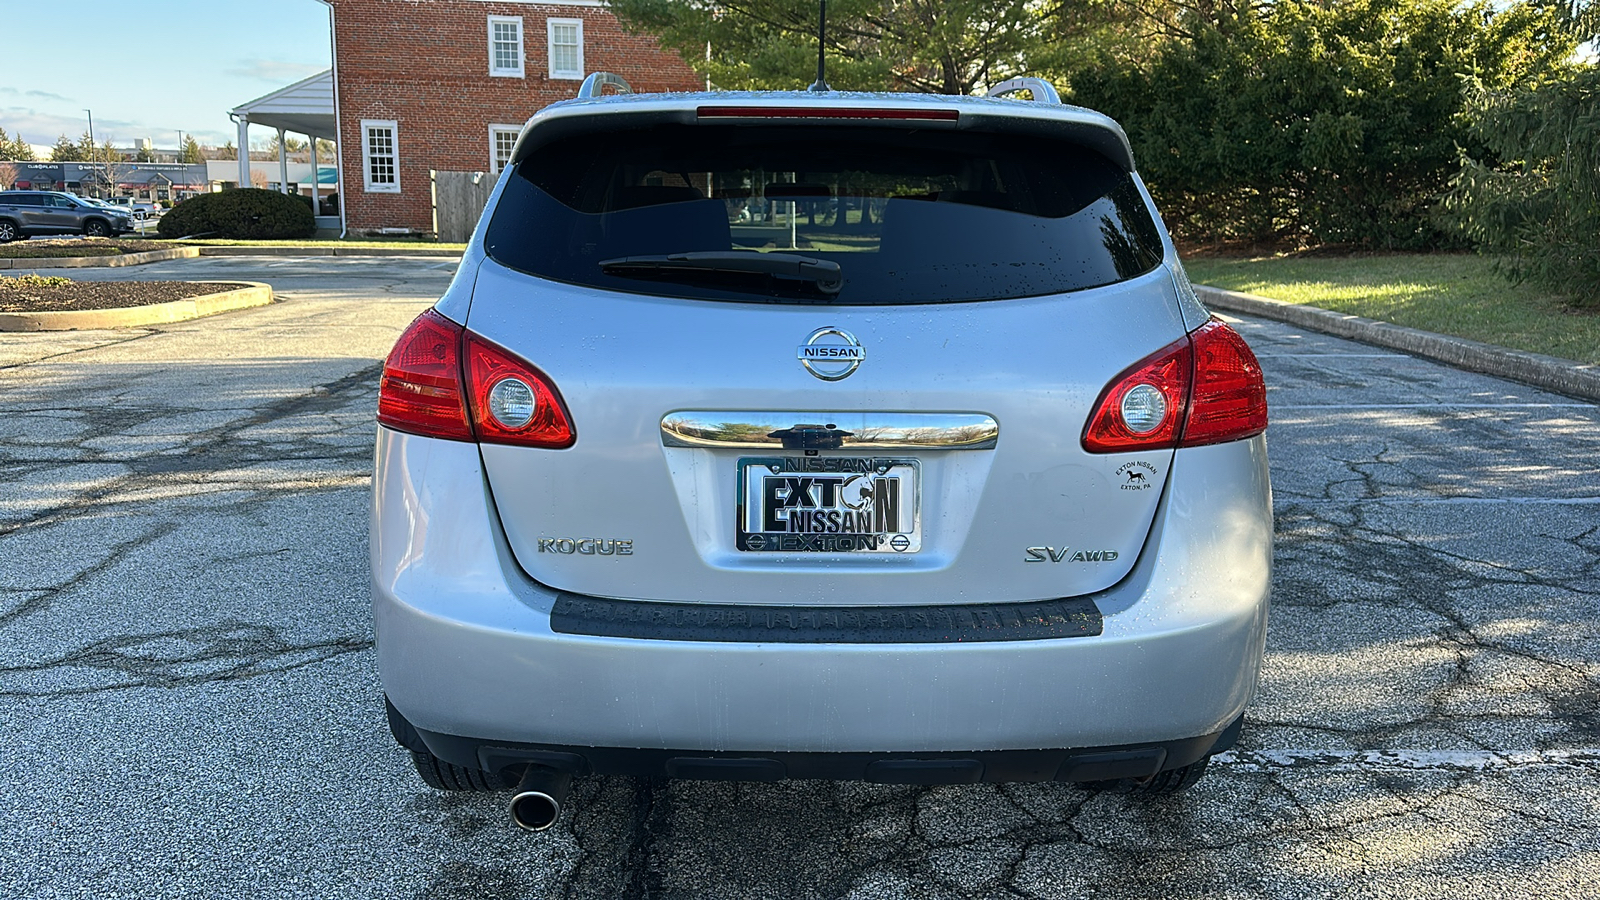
(844, 362)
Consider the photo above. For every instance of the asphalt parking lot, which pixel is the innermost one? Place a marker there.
(189, 705)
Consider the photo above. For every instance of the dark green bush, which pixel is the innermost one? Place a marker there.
(244, 213)
(1311, 123)
(1539, 212)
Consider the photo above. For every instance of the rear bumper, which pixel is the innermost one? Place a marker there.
(507, 760)
(466, 649)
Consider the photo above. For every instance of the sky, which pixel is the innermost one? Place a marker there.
(152, 68)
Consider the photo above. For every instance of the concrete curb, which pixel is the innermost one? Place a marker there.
(326, 251)
(257, 294)
(1548, 372)
(90, 262)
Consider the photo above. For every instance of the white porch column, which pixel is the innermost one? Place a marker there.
(244, 151)
(283, 165)
(315, 209)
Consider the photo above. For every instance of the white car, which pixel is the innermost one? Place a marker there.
(819, 435)
(140, 209)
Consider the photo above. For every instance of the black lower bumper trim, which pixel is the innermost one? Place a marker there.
(948, 623)
(1079, 764)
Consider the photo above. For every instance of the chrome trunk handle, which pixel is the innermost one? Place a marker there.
(811, 430)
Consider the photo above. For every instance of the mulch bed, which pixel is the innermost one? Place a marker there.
(52, 249)
(17, 296)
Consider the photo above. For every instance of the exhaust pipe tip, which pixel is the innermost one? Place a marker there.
(536, 805)
(535, 810)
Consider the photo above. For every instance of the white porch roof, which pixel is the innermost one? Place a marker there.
(305, 107)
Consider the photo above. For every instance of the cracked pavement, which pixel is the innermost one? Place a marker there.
(189, 705)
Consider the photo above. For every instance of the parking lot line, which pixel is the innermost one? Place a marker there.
(1448, 760)
(1429, 405)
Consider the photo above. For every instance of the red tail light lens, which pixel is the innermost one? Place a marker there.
(421, 388)
(1229, 401)
(1167, 371)
(443, 381)
(513, 402)
(1205, 388)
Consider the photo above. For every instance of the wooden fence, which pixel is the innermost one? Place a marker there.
(458, 201)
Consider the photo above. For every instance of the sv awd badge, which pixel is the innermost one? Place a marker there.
(1051, 554)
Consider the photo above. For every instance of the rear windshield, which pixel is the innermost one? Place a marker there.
(890, 216)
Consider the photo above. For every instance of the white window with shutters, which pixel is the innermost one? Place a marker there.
(505, 46)
(380, 155)
(502, 140)
(566, 48)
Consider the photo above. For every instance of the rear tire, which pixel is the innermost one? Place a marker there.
(96, 228)
(1161, 784)
(8, 231)
(443, 776)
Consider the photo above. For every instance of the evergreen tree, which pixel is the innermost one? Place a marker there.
(933, 46)
(191, 151)
(1538, 207)
(67, 150)
(1304, 123)
(14, 149)
(21, 150)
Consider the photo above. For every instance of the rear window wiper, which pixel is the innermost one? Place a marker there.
(824, 273)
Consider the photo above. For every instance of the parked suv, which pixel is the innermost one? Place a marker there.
(819, 435)
(139, 209)
(31, 213)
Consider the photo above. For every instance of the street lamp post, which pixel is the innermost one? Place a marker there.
(91, 138)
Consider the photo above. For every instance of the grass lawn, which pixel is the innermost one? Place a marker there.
(404, 244)
(1449, 293)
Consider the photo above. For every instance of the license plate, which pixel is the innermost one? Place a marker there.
(836, 504)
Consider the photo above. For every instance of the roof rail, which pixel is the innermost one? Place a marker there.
(1043, 91)
(596, 81)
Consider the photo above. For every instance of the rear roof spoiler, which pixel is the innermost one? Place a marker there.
(1045, 115)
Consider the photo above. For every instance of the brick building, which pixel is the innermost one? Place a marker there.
(447, 84)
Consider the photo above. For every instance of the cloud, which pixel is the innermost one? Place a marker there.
(46, 95)
(41, 129)
(282, 73)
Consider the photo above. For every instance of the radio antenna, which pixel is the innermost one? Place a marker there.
(822, 29)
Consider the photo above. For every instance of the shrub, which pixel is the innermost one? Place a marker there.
(243, 213)
(1311, 122)
(1541, 211)
(34, 281)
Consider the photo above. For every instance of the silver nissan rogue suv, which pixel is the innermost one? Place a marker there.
(819, 435)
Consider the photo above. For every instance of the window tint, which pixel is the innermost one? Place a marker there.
(21, 199)
(909, 216)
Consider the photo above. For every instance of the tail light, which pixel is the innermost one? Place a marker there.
(443, 381)
(512, 402)
(1204, 388)
(421, 387)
